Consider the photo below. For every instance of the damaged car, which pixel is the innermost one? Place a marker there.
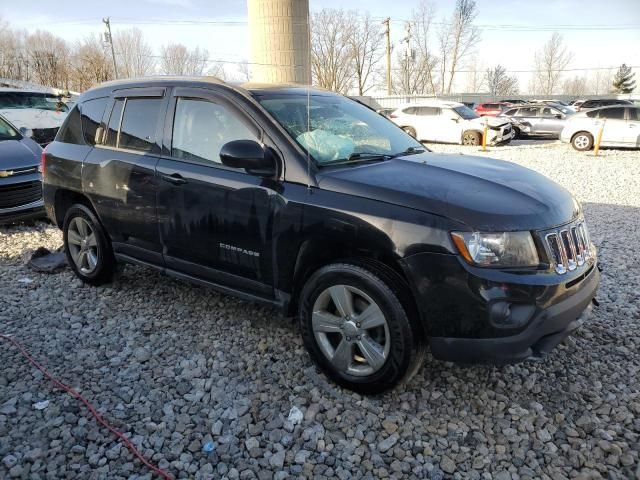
(450, 122)
(42, 113)
(538, 120)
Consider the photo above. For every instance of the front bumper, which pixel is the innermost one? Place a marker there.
(501, 137)
(544, 332)
(31, 211)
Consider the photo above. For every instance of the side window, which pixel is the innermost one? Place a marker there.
(592, 114)
(409, 111)
(547, 112)
(71, 130)
(139, 122)
(201, 128)
(511, 112)
(114, 123)
(92, 111)
(616, 113)
(527, 112)
(428, 111)
(634, 114)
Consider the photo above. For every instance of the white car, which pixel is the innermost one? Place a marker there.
(42, 113)
(621, 127)
(450, 122)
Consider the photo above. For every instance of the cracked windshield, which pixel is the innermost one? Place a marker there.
(339, 129)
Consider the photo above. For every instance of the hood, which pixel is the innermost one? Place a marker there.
(492, 121)
(484, 194)
(19, 153)
(34, 117)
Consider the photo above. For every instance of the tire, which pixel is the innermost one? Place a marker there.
(410, 130)
(582, 141)
(375, 359)
(516, 133)
(471, 138)
(89, 252)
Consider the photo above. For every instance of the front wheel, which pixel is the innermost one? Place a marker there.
(356, 329)
(582, 141)
(88, 249)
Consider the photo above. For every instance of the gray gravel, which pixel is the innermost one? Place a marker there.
(175, 366)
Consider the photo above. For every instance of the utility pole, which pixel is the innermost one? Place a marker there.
(387, 31)
(109, 38)
(407, 56)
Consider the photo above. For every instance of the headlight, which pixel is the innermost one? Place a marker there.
(505, 249)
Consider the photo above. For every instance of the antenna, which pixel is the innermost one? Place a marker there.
(309, 79)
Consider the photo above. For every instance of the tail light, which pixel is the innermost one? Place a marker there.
(43, 162)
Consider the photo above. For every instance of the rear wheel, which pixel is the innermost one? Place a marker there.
(410, 130)
(88, 249)
(471, 138)
(582, 141)
(356, 329)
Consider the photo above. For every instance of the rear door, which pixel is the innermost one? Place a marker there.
(632, 137)
(430, 125)
(527, 117)
(119, 173)
(215, 222)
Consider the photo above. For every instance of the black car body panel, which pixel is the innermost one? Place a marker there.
(20, 179)
(261, 237)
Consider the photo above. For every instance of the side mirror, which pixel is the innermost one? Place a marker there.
(454, 119)
(250, 155)
(26, 132)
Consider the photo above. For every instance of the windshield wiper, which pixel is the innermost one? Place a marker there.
(359, 157)
(410, 151)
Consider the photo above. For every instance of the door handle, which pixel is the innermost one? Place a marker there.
(174, 178)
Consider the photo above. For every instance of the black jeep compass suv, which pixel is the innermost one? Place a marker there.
(316, 204)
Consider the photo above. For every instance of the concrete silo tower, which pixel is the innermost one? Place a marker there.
(279, 31)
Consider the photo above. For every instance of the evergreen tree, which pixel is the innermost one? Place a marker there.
(623, 81)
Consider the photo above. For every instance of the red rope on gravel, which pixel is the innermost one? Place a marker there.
(93, 411)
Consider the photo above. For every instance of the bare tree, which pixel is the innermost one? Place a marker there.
(576, 86)
(499, 83)
(89, 64)
(550, 62)
(331, 51)
(14, 63)
(48, 58)
(457, 40)
(475, 77)
(244, 71)
(419, 74)
(176, 59)
(599, 81)
(365, 43)
(134, 55)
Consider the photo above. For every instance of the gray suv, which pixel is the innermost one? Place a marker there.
(538, 119)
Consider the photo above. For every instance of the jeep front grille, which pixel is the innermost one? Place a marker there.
(569, 247)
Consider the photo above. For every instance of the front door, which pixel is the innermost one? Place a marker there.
(633, 127)
(215, 222)
(615, 127)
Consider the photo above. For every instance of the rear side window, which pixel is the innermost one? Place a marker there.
(592, 114)
(92, 112)
(616, 113)
(114, 123)
(71, 131)
(634, 114)
(201, 128)
(428, 111)
(138, 129)
(528, 112)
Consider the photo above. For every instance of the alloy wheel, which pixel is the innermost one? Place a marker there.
(83, 245)
(351, 330)
(581, 142)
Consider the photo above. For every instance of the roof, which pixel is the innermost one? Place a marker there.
(26, 90)
(166, 80)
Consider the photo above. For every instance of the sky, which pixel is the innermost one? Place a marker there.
(599, 34)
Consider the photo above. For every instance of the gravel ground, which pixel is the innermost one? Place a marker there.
(175, 366)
